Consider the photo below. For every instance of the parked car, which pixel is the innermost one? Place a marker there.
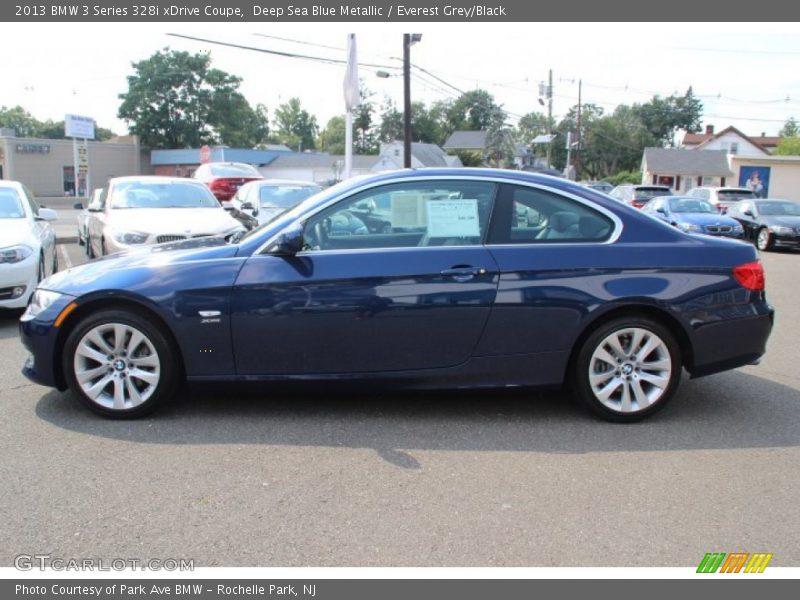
(639, 195)
(769, 223)
(266, 198)
(600, 186)
(83, 216)
(27, 244)
(153, 210)
(596, 296)
(225, 178)
(693, 215)
(722, 198)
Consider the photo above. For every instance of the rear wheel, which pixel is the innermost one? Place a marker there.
(764, 239)
(119, 364)
(627, 369)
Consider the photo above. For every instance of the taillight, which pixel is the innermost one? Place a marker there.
(218, 184)
(750, 276)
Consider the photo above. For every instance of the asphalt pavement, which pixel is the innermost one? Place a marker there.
(261, 477)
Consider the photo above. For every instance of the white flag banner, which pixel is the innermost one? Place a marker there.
(351, 93)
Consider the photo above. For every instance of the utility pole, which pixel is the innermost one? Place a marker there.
(580, 134)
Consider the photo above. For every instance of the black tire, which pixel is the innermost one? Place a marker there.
(55, 259)
(169, 374)
(764, 240)
(636, 375)
(89, 249)
(103, 249)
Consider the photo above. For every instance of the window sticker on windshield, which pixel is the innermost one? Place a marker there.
(453, 218)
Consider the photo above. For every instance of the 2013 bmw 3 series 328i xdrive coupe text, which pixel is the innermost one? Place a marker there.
(481, 278)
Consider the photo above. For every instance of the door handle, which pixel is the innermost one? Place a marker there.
(462, 273)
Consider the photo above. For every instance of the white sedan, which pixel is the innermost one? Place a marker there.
(27, 244)
(152, 210)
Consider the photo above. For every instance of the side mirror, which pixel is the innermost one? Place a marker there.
(662, 210)
(78, 206)
(94, 208)
(47, 214)
(289, 242)
(747, 212)
(247, 206)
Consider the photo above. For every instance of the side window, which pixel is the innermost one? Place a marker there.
(532, 216)
(402, 215)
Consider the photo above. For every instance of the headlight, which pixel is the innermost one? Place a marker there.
(130, 237)
(689, 227)
(781, 229)
(738, 228)
(40, 301)
(14, 254)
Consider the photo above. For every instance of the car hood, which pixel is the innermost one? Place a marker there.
(178, 221)
(784, 220)
(704, 219)
(143, 266)
(13, 232)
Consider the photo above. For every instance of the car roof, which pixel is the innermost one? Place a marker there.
(154, 179)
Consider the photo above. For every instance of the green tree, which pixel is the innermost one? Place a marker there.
(500, 147)
(789, 146)
(474, 111)
(295, 126)
(391, 126)
(332, 138)
(24, 124)
(365, 130)
(176, 100)
(790, 129)
(663, 117)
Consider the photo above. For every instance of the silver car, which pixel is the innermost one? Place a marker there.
(154, 210)
(266, 198)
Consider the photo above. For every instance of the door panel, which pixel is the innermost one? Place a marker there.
(351, 311)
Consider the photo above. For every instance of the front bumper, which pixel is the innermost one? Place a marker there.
(40, 337)
(786, 241)
(23, 273)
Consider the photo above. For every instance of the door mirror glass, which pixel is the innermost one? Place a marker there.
(747, 212)
(47, 214)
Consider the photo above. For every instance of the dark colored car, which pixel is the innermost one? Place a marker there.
(459, 293)
(224, 179)
(769, 223)
(638, 195)
(693, 215)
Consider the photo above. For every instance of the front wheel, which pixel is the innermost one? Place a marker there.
(764, 239)
(627, 369)
(120, 364)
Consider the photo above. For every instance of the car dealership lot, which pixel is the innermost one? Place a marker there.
(321, 478)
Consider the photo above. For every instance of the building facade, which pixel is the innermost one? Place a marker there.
(47, 167)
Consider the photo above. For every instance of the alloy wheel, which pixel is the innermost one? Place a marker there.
(117, 366)
(630, 370)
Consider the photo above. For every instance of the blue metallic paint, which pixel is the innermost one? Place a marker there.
(392, 315)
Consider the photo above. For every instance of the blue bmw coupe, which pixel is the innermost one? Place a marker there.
(481, 278)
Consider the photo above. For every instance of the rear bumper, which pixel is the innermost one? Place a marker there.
(724, 345)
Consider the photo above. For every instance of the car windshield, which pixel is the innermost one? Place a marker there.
(285, 196)
(10, 205)
(647, 193)
(734, 195)
(145, 194)
(690, 205)
(234, 171)
(779, 208)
